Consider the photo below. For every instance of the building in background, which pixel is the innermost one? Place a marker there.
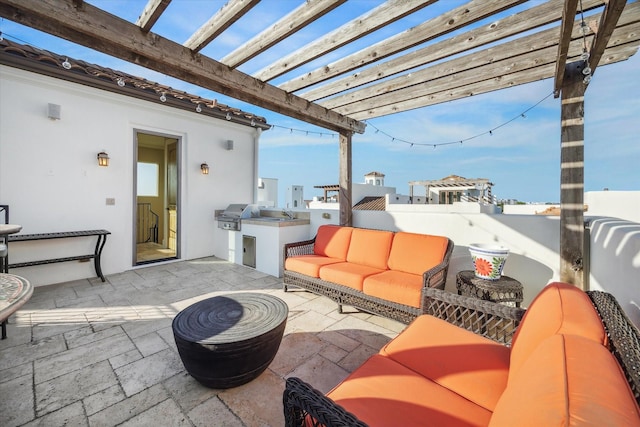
(267, 194)
(295, 197)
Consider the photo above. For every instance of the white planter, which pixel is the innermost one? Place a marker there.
(488, 260)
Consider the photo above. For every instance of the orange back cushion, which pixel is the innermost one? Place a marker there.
(568, 381)
(332, 241)
(370, 247)
(416, 253)
(560, 308)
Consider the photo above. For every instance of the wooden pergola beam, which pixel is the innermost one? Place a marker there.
(566, 32)
(490, 63)
(303, 15)
(608, 23)
(480, 64)
(220, 21)
(572, 177)
(616, 54)
(89, 26)
(450, 21)
(509, 26)
(151, 13)
(359, 27)
(345, 196)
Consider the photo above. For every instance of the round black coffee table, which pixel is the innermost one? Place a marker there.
(229, 340)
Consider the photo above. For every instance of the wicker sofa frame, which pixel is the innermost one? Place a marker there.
(486, 318)
(344, 295)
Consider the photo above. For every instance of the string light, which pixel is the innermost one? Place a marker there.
(66, 64)
(198, 108)
(304, 131)
(460, 141)
(586, 71)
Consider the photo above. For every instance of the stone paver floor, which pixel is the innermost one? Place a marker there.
(88, 353)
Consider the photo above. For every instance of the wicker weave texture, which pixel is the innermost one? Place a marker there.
(624, 337)
(304, 403)
(489, 319)
(344, 295)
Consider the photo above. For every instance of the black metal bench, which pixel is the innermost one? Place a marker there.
(102, 239)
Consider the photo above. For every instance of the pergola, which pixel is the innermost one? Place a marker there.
(454, 183)
(422, 66)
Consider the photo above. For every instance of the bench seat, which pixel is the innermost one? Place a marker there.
(562, 369)
(378, 271)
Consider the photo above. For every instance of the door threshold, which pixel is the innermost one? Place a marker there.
(154, 261)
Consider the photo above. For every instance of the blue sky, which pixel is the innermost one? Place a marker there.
(522, 158)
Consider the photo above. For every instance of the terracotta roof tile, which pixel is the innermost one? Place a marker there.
(44, 62)
(371, 203)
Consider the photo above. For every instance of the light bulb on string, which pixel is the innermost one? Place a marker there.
(584, 28)
(585, 55)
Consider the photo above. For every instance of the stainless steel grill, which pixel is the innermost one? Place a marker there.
(230, 218)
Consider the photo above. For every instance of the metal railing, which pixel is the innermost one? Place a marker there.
(147, 224)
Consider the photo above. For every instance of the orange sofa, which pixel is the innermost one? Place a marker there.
(382, 272)
(569, 363)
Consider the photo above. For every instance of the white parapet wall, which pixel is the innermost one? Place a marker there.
(616, 204)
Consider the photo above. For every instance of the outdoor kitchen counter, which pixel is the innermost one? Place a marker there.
(269, 235)
(270, 221)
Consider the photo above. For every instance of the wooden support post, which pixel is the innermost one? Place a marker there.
(572, 177)
(345, 196)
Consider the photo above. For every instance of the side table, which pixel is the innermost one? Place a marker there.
(228, 340)
(14, 292)
(504, 290)
(5, 230)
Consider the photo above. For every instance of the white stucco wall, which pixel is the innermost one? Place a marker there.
(617, 204)
(615, 262)
(50, 178)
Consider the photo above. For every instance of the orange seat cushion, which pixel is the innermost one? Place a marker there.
(332, 241)
(568, 380)
(382, 392)
(370, 247)
(347, 274)
(395, 286)
(308, 264)
(470, 365)
(416, 253)
(560, 308)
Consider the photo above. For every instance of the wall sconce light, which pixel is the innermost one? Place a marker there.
(204, 168)
(103, 159)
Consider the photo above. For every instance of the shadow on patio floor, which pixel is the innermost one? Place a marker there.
(103, 354)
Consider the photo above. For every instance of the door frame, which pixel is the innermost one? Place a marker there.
(134, 193)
